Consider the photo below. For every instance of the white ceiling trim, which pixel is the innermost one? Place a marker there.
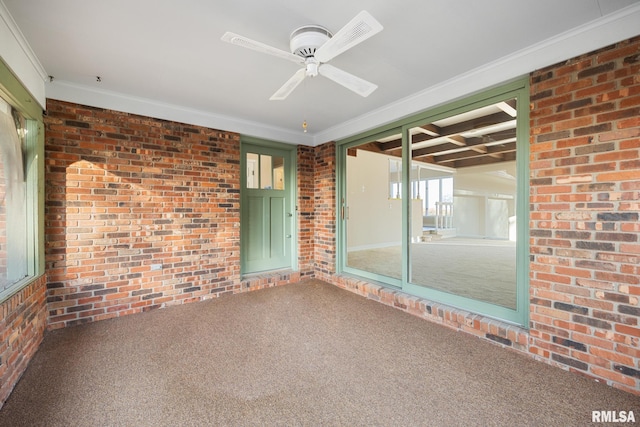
(19, 57)
(599, 33)
(84, 95)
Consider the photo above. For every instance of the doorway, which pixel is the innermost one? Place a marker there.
(268, 211)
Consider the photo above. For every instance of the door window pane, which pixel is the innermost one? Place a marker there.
(266, 175)
(277, 175)
(253, 170)
(265, 172)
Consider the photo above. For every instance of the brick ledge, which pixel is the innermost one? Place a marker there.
(269, 279)
(498, 332)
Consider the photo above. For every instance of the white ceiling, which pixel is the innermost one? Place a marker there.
(164, 58)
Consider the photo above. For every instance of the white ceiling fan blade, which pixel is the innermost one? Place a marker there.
(289, 86)
(356, 31)
(351, 82)
(238, 40)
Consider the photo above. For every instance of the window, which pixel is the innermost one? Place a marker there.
(265, 172)
(21, 168)
(432, 192)
(395, 178)
(449, 226)
(13, 224)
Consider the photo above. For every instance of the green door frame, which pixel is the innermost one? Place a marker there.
(289, 152)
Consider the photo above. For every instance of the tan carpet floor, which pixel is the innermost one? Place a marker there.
(302, 354)
(481, 269)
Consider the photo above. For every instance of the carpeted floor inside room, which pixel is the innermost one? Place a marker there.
(300, 354)
(482, 269)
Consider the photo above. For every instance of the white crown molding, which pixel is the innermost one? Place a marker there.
(16, 52)
(596, 34)
(84, 95)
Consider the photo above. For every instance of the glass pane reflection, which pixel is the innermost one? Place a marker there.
(465, 241)
(265, 172)
(373, 211)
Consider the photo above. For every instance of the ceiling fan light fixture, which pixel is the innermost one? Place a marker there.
(312, 65)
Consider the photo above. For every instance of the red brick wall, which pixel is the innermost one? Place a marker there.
(585, 198)
(324, 198)
(306, 212)
(140, 213)
(23, 320)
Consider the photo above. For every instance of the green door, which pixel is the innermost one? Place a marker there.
(267, 209)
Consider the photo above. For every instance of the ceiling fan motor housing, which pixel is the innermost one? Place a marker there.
(304, 41)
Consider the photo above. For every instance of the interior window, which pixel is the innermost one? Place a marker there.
(13, 201)
(395, 178)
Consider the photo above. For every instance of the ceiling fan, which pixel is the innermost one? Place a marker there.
(313, 46)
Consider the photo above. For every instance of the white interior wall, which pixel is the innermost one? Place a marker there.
(484, 201)
(374, 219)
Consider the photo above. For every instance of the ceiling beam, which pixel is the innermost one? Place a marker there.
(427, 151)
(490, 151)
(430, 129)
(484, 160)
(373, 146)
(477, 123)
(457, 139)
